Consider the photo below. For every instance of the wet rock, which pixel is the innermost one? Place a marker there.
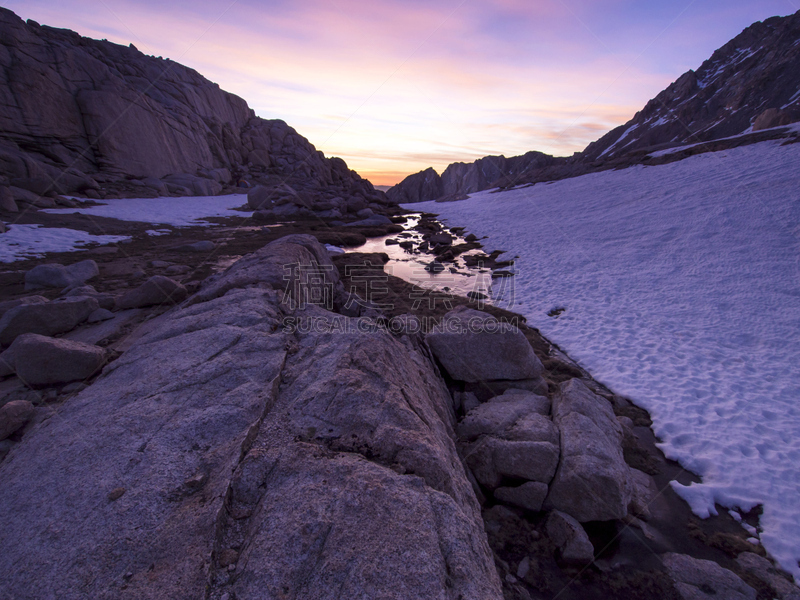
(42, 361)
(592, 482)
(530, 495)
(13, 416)
(50, 318)
(59, 276)
(155, 291)
(697, 579)
(572, 541)
(474, 346)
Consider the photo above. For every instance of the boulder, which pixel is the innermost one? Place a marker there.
(698, 579)
(497, 417)
(13, 416)
(763, 570)
(324, 458)
(155, 291)
(59, 276)
(573, 543)
(9, 304)
(593, 481)
(474, 346)
(261, 197)
(530, 495)
(51, 318)
(42, 361)
(492, 459)
(106, 301)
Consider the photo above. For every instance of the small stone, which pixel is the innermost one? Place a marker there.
(523, 568)
(116, 494)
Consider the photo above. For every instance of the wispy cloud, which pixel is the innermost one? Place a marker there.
(395, 86)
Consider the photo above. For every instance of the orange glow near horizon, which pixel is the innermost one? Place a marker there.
(396, 87)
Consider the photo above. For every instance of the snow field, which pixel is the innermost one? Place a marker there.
(681, 284)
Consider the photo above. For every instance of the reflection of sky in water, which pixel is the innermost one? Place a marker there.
(410, 266)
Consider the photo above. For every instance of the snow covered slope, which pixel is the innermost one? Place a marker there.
(681, 284)
(752, 81)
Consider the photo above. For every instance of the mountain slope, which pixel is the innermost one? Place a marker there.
(749, 84)
(77, 111)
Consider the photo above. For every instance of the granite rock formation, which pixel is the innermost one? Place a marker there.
(79, 115)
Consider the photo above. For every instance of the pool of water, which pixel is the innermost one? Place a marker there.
(457, 278)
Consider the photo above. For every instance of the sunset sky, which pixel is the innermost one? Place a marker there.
(394, 86)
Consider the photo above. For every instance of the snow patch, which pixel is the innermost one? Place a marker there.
(22, 242)
(179, 212)
(682, 283)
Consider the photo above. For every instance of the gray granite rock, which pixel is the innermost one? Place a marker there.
(593, 481)
(50, 318)
(474, 346)
(13, 416)
(698, 579)
(155, 291)
(41, 361)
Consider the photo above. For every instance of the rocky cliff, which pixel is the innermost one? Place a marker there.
(465, 178)
(82, 115)
(750, 84)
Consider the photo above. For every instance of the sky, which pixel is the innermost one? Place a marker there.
(396, 86)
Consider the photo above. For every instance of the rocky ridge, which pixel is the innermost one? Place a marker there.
(262, 452)
(93, 118)
(749, 85)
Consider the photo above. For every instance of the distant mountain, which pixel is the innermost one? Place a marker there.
(82, 115)
(465, 178)
(750, 84)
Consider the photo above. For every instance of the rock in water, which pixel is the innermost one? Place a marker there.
(323, 456)
(41, 361)
(593, 481)
(156, 290)
(474, 346)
